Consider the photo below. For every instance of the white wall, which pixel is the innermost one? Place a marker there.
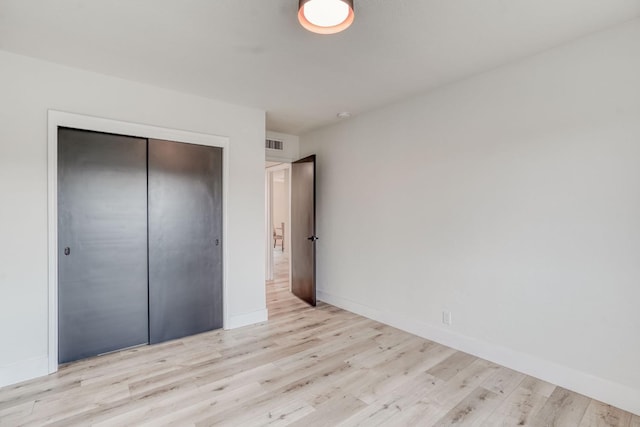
(28, 88)
(511, 199)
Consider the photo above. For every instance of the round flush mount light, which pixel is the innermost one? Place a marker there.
(325, 16)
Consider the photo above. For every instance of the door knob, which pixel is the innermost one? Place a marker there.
(313, 238)
(67, 251)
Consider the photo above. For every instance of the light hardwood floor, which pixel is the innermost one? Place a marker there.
(307, 366)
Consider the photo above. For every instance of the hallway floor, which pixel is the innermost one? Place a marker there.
(279, 299)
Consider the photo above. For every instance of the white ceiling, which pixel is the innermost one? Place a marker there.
(254, 53)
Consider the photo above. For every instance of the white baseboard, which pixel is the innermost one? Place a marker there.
(23, 371)
(589, 385)
(247, 319)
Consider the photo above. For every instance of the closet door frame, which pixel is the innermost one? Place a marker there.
(57, 119)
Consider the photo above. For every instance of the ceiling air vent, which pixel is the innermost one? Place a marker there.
(273, 144)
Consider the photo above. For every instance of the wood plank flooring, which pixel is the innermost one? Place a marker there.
(304, 367)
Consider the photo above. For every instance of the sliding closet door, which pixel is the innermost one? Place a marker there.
(102, 243)
(185, 232)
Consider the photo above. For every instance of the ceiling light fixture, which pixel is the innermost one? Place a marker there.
(325, 16)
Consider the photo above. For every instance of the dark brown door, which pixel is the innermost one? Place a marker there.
(303, 229)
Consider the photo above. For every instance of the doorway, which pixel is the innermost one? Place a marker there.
(291, 235)
(278, 227)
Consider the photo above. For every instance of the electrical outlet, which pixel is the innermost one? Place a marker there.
(446, 318)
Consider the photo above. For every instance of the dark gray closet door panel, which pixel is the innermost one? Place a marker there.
(185, 239)
(102, 220)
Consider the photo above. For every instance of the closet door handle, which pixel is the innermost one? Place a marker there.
(67, 251)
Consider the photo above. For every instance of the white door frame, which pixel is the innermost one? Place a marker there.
(268, 225)
(58, 119)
